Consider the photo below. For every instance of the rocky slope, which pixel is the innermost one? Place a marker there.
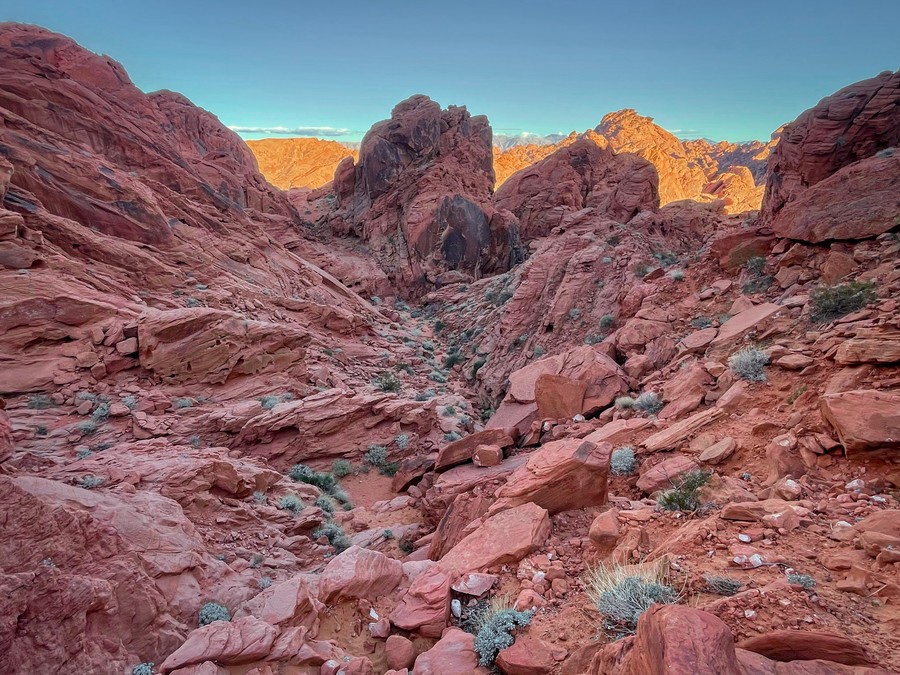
(177, 335)
(299, 162)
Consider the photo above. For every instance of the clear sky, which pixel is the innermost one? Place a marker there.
(723, 69)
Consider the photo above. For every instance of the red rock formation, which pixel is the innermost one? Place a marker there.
(426, 174)
(299, 162)
(578, 176)
(817, 169)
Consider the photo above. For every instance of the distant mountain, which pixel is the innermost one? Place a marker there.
(299, 162)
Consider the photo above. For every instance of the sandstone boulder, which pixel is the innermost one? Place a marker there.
(864, 419)
(359, 573)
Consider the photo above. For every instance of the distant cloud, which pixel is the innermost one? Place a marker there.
(319, 132)
(689, 134)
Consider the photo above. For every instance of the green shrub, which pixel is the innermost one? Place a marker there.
(268, 402)
(624, 402)
(301, 473)
(40, 402)
(335, 536)
(341, 468)
(827, 303)
(622, 596)
(622, 461)
(426, 395)
(641, 271)
(196, 442)
(263, 583)
(686, 495)
(89, 482)
(405, 368)
(402, 441)
(41, 430)
(496, 631)
(375, 300)
(325, 504)
(666, 258)
(748, 364)
(452, 359)
(758, 284)
(87, 427)
(182, 403)
(260, 497)
(437, 376)
(376, 455)
(676, 275)
(650, 402)
(594, 338)
(212, 611)
(607, 321)
(387, 534)
(701, 322)
(406, 546)
(574, 313)
(451, 436)
(539, 350)
(722, 585)
(449, 411)
(803, 580)
(389, 469)
(387, 381)
(84, 453)
(145, 668)
(755, 265)
(290, 503)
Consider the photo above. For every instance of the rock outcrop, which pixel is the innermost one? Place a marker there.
(299, 162)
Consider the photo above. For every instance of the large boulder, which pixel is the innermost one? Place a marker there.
(843, 129)
(453, 654)
(505, 537)
(567, 474)
(425, 607)
(359, 573)
(864, 419)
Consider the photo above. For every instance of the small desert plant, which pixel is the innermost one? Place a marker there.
(650, 402)
(451, 436)
(256, 560)
(196, 442)
(263, 583)
(701, 322)
(387, 381)
(449, 411)
(495, 628)
(301, 473)
(290, 503)
(325, 504)
(182, 403)
(402, 441)
(192, 302)
(84, 453)
(803, 580)
(387, 534)
(574, 313)
(621, 595)
(607, 321)
(41, 430)
(755, 265)
(39, 402)
(452, 359)
(722, 585)
(676, 275)
(686, 495)
(827, 303)
(341, 468)
(641, 271)
(748, 364)
(268, 402)
(405, 368)
(624, 402)
(376, 455)
(335, 536)
(145, 668)
(437, 376)
(406, 546)
(375, 300)
(426, 395)
(89, 482)
(87, 427)
(594, 338)
(260, 497)
(212, 611)
(666, 258)
(622, 461)
(797, 393)
(539, 350)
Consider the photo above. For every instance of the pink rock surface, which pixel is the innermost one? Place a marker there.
(359, 573)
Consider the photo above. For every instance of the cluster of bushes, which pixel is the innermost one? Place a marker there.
(686, 495)
(622, 595)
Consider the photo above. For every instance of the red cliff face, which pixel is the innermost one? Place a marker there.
(835, 174)
(420, 196)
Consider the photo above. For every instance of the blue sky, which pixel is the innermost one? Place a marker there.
(723, 70)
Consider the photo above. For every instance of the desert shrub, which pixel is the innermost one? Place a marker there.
(341, 468)
(101, 412)
(621, 596)
(335, 536)
(437, 376)
(182, 403)
(196, 442)
(755, 265)
(84, 453)
(574, 313)
(375, 300)
(339, 494)
(701, 322)
(263, 583)
(301, 473)
(268, 402)
(624, 402)
(449, 411)
(641, 270)
(451, 436)
(758, 284)
(686, 495)
(256, 560)
(145, 668)
(607, 321)
(212, 611)
(797, 393)
(387, 534)
(594, 338)
(539, 350)
(87, 427)
(260, 497)
(402, 441)
(389, 469)
(452, 359)
(89, 482)
(676, 275)
(722, 585)
(406, 546)
(376, 455)
(666, 258)
(387, 381)
(827, 303)
(405, 367)
(290, 503)
(803, 580)
(39, 402)
(622, 461)
(748, 363)
(326, 504)
(400, 305)
(41, 430)
(496, 626)
(650, 402)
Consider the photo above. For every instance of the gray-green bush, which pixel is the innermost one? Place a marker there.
(622, 461)
(686, 495)
(748, 363)
(212, 611)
